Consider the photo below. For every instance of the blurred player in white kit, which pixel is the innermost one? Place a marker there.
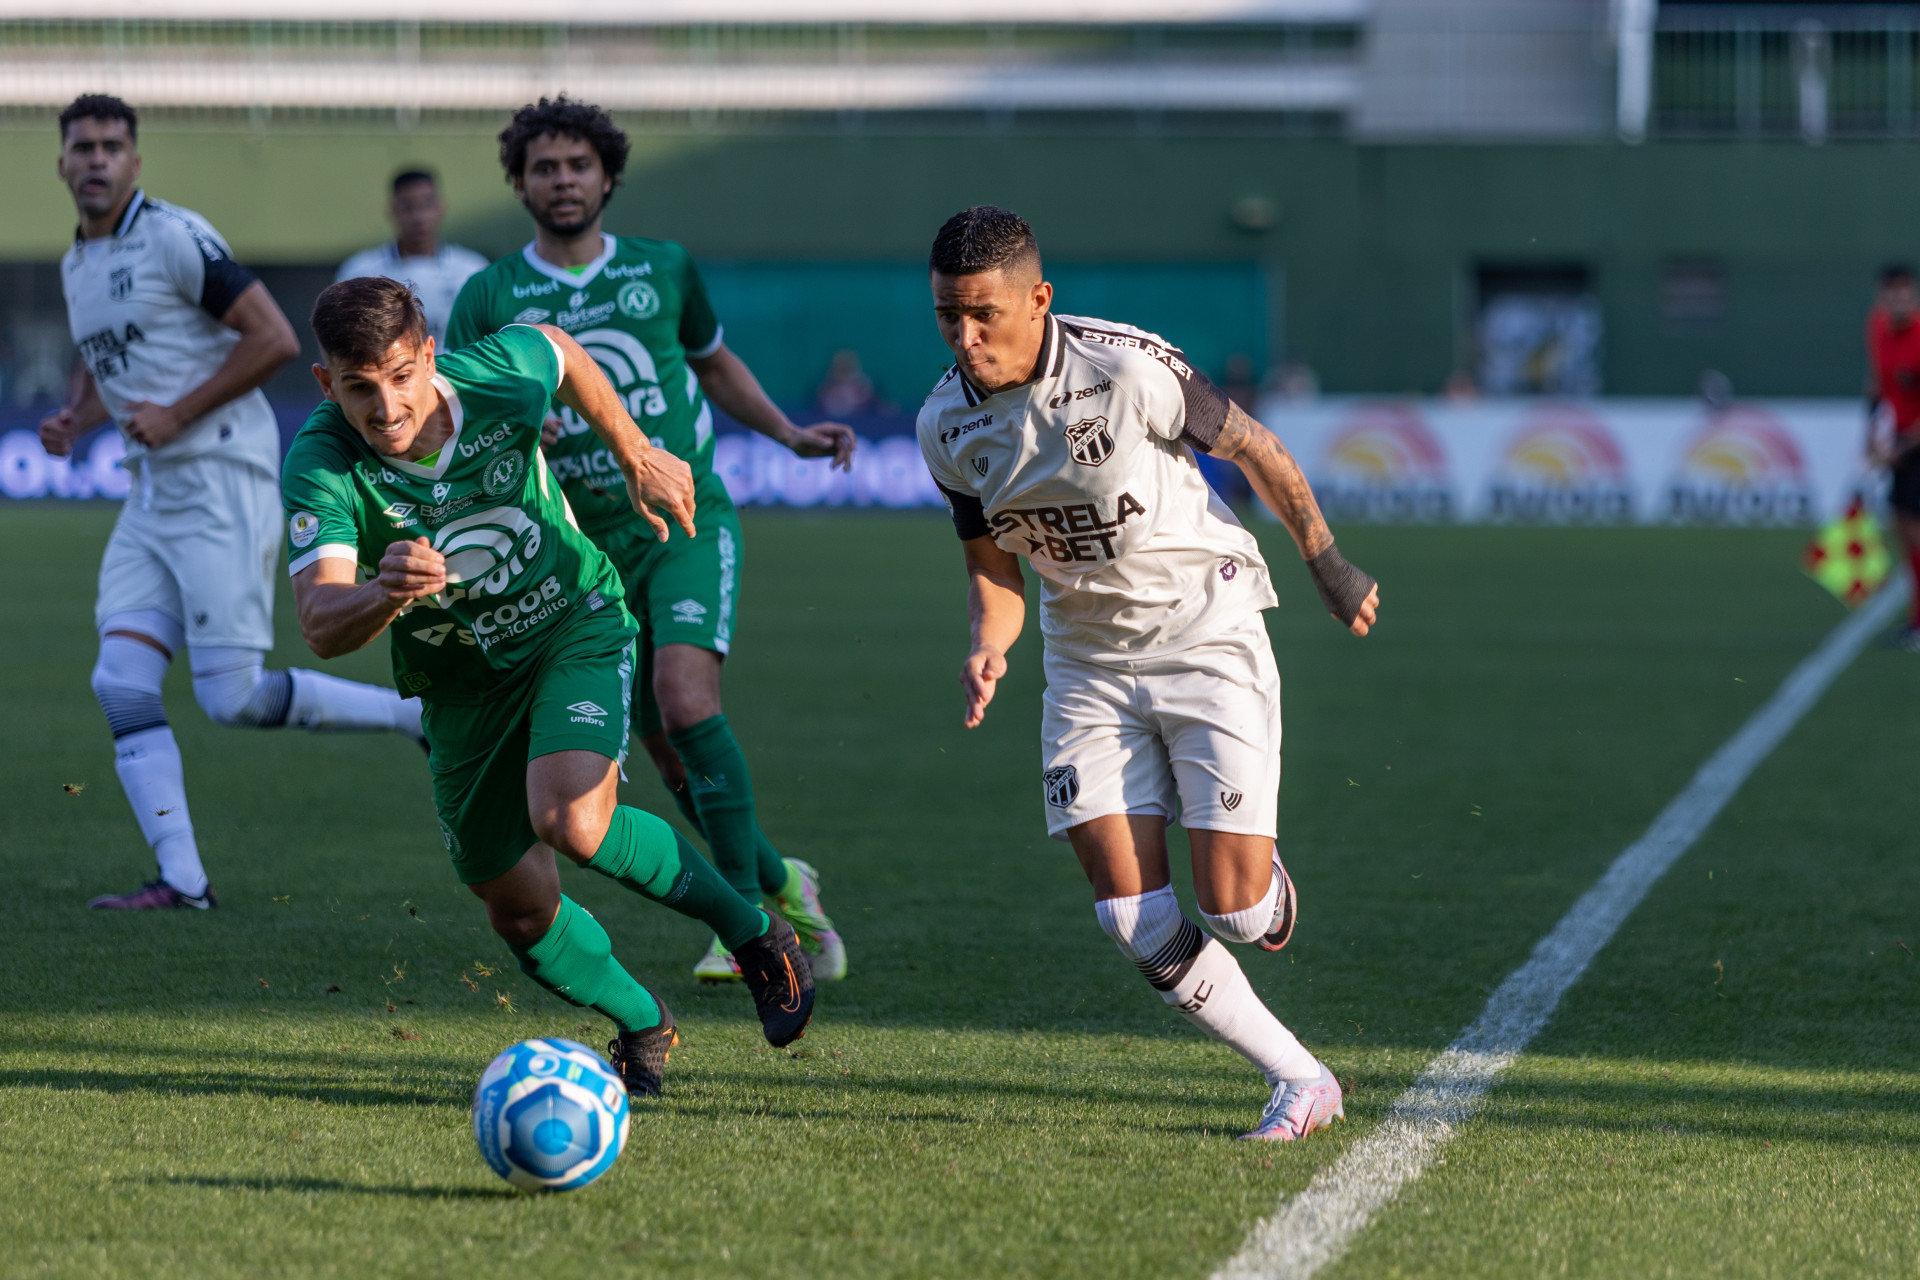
(1067, 441)
(177, 339)
(416, 256)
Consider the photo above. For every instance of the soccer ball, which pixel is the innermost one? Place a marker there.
(550, 1115)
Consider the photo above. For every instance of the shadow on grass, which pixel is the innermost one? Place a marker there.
(334, 1185)
(324, 1091)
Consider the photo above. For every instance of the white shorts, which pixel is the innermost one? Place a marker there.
(1201, 726)
(198, 541)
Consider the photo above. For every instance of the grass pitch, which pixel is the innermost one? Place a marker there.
(281, 1086)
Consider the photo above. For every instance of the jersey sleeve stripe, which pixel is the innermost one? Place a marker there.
(969, 515)
(325, 551)
(719, 337)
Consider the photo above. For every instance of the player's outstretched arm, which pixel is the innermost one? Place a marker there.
(728, 382)
(655, 478)
(267, 341)
(1350, 595)
(996, 610)
(338, 615)
(59, 429)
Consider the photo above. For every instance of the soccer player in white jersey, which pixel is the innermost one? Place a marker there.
(1068, 441)
(178, 338)
(417, 256)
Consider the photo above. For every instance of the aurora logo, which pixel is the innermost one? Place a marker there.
(487, 551)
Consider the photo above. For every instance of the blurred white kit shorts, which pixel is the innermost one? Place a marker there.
(199, 542)
(1201, 726)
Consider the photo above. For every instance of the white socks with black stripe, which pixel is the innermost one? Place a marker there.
(1201, 979)
(1249, 924)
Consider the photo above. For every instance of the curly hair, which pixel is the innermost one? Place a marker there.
(562, 117)
(982, 239)
(100, 106)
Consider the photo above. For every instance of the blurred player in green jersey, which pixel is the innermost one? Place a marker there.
(639, 309)
(418, 504)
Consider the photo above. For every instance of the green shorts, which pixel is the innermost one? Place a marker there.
(574, 698)
(681, 591)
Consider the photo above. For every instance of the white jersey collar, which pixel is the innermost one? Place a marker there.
(449, 448)
(134, 206)
(565, 276)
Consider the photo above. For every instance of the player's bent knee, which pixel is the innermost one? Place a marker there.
(233, 688)
(573, 831)
(1240, 926)
(126, 682)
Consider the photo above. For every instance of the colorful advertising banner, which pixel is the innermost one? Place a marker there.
(1594, 462)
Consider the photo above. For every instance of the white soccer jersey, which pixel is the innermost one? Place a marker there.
(144, 305)
(435, 279)
(1085, 471)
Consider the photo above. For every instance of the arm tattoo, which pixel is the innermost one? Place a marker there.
(1276, 477)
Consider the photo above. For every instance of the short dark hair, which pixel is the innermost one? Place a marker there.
(407, 177)
(1896, 273)
(983, 239)
(562, 117)
(356, 321)
(100, 106)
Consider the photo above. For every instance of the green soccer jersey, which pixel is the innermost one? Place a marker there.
(640, 311)
(519, 573)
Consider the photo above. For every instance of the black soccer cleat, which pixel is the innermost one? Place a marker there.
(641, 1056)
(776, 971)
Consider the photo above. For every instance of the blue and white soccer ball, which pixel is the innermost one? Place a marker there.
(550, 1115)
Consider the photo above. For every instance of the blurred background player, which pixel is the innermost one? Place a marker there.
(1893, 415)
(416, 256)
(177, 338)
(427, 474)
(1066, 440)
(639, 308)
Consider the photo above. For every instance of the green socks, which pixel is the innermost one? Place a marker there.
(575, 962)
(649, 857)
(722, 796)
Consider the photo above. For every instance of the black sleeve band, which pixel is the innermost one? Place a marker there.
(969, 517)
(1207, 407)
(224, 281)
(1343, 588)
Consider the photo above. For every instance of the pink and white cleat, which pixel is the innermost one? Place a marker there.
(1298, 1108)
(154, 895)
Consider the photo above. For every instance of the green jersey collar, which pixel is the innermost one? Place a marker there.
(587, 276)
(449, 448)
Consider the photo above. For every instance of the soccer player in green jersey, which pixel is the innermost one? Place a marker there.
(422, 475)
(638, 307)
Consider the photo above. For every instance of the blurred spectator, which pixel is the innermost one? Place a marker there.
(846, 389)
(1293, 381)
(1238, 381)
(1716, 388)
(415, 256)
(1460, 387)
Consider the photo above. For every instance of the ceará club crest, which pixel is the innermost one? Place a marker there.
(1090, 441)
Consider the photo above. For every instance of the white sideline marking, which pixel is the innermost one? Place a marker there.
(1315, 1227)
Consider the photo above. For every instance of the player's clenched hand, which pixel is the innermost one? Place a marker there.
(550, 430)
(152, 424)
(411, 570)
(1369, 611)
(58, 431)
(658, 479)
(824, 439)
(979, 676)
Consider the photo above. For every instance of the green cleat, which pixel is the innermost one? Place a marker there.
(799, 903)
(717, 965)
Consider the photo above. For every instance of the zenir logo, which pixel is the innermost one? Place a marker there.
(1231, 799)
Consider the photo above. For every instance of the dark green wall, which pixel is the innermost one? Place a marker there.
(1372, 252)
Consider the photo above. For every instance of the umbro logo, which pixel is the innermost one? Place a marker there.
(1231, 799)
(533, 315)
(399, 512)
(980, 466)
(588, 709)
(436, 635)
(689, 611)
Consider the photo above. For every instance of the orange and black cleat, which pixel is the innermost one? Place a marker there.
(641, 1056)
(776, 971)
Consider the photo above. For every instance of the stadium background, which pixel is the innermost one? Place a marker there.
(1326, 196)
